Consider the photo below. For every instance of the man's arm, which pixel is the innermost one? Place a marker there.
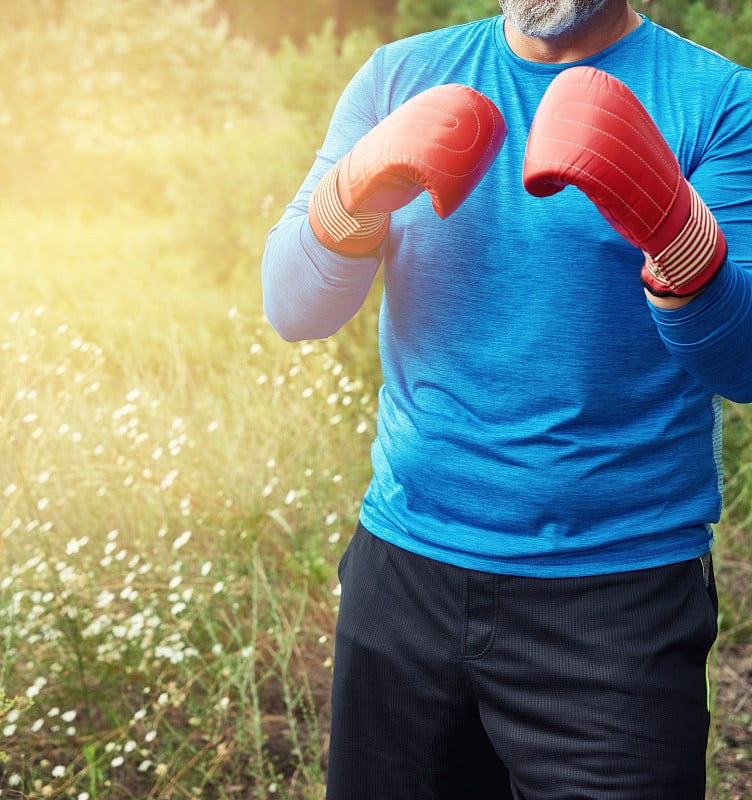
(591, 132)
(310, 292)
(441, 141)
(712, 336)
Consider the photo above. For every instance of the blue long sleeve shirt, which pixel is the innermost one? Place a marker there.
(538, 416)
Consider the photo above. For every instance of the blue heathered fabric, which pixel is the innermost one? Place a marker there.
(538, 416)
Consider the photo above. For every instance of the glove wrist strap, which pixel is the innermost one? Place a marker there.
(690, 262)
(357, 234)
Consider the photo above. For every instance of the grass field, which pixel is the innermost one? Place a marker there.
(176, 487)
(177, 484)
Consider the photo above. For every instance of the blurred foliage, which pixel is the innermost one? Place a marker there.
(309, 79)
(414, 16)
(210, 110)
(269, 24)
(734, 575)
(725, 31)
(85, 84)
(154, 107)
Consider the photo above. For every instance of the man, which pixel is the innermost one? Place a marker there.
(528, 600)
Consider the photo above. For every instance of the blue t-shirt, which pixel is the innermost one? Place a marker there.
(538, 416)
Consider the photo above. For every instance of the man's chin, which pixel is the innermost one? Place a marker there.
(557, 22)
(546, 33)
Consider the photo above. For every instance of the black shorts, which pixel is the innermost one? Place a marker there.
(451, 684)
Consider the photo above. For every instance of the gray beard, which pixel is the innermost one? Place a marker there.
(543, 18)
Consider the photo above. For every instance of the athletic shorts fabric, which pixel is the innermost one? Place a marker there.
(452, 684)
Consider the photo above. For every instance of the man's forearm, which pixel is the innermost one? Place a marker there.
(310, 292)
(711, 335)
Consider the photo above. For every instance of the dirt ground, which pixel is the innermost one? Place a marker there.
(732, 752)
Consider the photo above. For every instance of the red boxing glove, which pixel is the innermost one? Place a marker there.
(592, 132)
(442, 141)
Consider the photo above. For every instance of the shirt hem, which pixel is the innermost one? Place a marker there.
(549, 566)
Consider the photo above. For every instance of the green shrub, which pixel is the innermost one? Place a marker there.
(85, 89)
(308, 80)
(424, 15)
